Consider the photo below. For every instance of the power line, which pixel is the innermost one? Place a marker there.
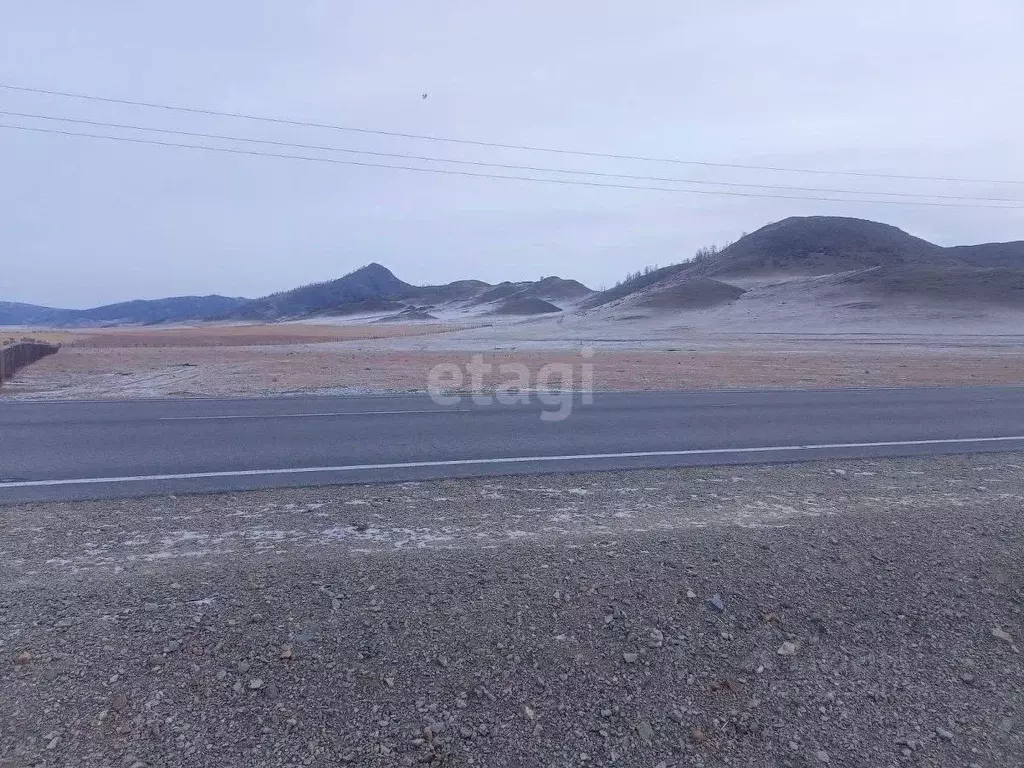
(481, 164)
(451, 172)
(493, 145)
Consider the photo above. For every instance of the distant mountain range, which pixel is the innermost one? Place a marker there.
(141, 311)
(863, 258)
(375, 288)
(372, 289)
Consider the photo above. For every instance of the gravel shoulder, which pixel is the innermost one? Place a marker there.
(850, 613)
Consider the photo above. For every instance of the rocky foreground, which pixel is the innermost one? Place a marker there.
(856, 613)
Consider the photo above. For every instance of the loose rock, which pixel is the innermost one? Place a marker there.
(787, 649)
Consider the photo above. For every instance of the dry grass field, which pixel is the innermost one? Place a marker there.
(50, 337)
(233, 335)
(255, 360)
(120, 371)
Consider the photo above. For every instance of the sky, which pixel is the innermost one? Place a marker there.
(917, 87)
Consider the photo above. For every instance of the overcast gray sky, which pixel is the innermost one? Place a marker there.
(917, 87)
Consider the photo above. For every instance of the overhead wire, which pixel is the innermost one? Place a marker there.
(505, 166)
(511, 177)
(490, 144)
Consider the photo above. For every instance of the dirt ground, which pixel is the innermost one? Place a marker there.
(264, 360)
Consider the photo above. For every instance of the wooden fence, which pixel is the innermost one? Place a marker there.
(18, 354)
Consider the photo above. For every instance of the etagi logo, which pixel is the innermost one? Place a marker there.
(553, 384)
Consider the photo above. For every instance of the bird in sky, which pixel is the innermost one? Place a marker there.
(424, 95)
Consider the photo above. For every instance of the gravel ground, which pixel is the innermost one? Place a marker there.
(854, 613)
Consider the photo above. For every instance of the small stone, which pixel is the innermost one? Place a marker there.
(221, 674)
(822, 756)
(118, 702)
(1000, 634)
(529, 713)
(244, 666)
(943, 734)
(657, 638)
(645, 731)
(23, 658)
(54, 743)
(698, 736)
(967, 678)
(691, 595)
(255, 684)
(256, 618)
(630, 658)
(716, 603)
(287, 654)
(787, 649)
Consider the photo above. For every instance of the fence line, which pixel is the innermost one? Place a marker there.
(21, 353)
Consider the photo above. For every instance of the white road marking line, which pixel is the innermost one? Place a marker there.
(306, 415)
(508, 460)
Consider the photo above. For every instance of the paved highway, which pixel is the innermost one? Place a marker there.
(89, 449)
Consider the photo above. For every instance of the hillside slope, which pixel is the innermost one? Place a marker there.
(17, 313)
(994, 255)
(819, 245)
(370, 283)
(375, 285)
(882, 265)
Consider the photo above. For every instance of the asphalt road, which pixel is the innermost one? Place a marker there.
(76, 450)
